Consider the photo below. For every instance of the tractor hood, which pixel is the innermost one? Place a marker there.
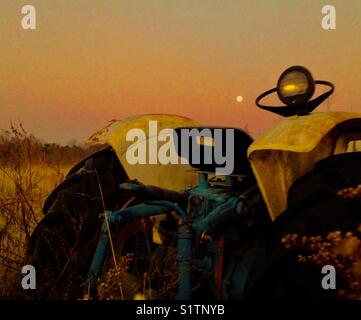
(170, 176)
(292, 147)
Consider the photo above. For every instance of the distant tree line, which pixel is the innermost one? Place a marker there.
(16, 143)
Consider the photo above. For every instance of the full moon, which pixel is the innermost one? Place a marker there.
(239, 99)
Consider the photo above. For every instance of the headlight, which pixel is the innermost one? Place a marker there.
(295, 86)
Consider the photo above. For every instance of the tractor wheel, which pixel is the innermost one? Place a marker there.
(314, 209)
(62, 244)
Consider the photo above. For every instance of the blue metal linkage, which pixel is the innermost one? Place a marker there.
(184, 265)
(208, 207)
(122, 216)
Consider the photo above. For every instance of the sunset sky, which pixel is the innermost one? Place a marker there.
(90, 61)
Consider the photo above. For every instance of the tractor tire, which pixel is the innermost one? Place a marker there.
(63, 243)
(314, 209)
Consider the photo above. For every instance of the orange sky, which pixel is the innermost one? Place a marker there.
(92, 61)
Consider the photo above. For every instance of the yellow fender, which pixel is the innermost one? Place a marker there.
(292, 147)
(170, 176)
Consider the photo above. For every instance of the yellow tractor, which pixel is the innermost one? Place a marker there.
(208, 232)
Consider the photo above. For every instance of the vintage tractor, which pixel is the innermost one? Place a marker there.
(191, 230)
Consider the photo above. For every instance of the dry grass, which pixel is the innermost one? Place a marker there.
(28, 173)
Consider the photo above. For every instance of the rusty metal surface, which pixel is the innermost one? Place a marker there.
(170, 176)
(291, 148)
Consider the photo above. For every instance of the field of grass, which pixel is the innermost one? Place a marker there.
(29, 171)
(22, 194)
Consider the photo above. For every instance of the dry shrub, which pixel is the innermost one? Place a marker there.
(341, 250)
